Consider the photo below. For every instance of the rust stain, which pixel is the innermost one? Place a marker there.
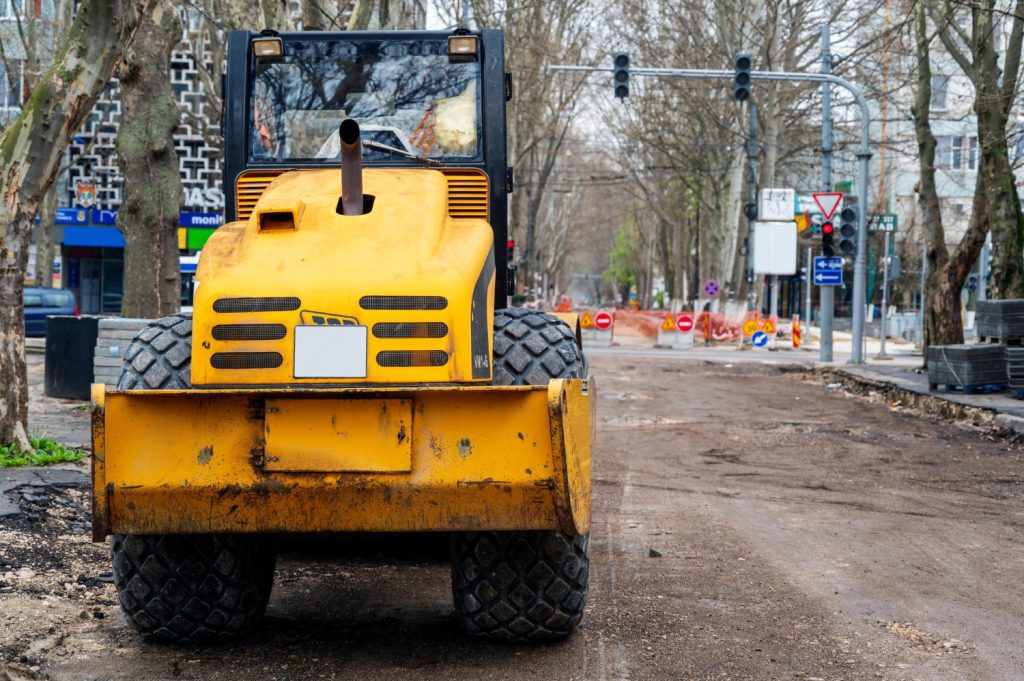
(401, 433)
(465, 447)
(205, 454)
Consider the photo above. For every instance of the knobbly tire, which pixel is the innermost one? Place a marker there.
(192, 588)
(160, 356)
(185, 588)
(524, 585)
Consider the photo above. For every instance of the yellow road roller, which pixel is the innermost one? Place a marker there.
(351, 363)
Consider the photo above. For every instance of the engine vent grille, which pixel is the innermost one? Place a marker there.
(403, 303)
(412, 358)
(249, 332)
(410, 330)
(246, 360)
(256, 304)
(467, 191)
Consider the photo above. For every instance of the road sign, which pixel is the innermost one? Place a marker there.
(886, 222)
(828, 271)
(603, 321)
(668, 324)
(759, 339)
(768, 327)
(586, 322)
(776, 204)
(685, 323)
(828, 202)
(775, 247)
(711, 288)
(750, 327)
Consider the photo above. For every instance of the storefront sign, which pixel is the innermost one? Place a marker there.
(104, 217)
(200, 220)
(71, 216)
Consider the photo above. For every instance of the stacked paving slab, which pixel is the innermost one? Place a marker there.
(970, 368)
(1000, 321)
(112, 340)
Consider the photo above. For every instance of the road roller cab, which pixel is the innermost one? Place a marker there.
(351, 363)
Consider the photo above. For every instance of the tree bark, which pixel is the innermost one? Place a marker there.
(152, 193)
(30, 153)
(44, 240)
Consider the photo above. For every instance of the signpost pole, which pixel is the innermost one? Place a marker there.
(752, 200)
(826, 293)
(885, 295)
(809, 274)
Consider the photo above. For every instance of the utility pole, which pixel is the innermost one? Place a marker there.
(884, 330)
(808, 275)
(826, 294)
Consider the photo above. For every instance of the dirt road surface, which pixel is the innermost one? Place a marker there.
(749, 523)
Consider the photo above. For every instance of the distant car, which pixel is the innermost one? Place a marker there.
(41, 303)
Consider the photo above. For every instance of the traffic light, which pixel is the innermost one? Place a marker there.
(828, 246)
(848, 223)
(510, 251)
(741, 81)
(621, 77)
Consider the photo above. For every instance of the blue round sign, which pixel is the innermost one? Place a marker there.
(759, 339)
(711, 288)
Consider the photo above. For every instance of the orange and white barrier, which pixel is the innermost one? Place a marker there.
(796, 331)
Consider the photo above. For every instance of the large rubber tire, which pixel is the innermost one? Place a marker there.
(524, 585)
(531, 348)
(185, 588)
(192, 588)
(160, 356)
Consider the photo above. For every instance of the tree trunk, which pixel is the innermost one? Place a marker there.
(1003, 205)
(44, 241)
(152, 193)
(942, 324)
(31, 149)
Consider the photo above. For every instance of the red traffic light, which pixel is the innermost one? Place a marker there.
(511, 244)
(826, 228)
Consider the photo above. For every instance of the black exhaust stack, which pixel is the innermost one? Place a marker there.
(352, 201)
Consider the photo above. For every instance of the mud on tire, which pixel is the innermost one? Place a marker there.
(192, 588)
(519, 586)
(160, 356)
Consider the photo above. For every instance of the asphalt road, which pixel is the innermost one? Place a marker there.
(749, 523)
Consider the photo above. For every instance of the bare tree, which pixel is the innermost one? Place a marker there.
(996, 200)
(30, 153)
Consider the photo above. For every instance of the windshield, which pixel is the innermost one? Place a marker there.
(403, 93)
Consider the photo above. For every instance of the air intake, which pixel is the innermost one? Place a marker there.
(249, 332)
(410, 330)
(412, 358)
(403, 303)
(246, 360)
(256, 304)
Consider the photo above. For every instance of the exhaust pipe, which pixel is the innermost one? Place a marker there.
(351, 168)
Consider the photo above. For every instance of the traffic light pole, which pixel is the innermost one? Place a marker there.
(826, 294)
(863, 156)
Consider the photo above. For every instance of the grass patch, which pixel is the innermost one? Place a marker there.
(46, 452)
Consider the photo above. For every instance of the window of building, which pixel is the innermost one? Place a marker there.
(940, 93)
(949, 151)
(972, 152)
(11, 84)
(11, 8)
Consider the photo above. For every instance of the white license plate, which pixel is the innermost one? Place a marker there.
(330, 351)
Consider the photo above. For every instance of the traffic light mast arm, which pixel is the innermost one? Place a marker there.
(860, 264)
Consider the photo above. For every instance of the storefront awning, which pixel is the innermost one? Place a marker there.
(100, 237)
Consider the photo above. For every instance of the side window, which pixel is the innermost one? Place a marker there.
(57, 299)
(33, 300)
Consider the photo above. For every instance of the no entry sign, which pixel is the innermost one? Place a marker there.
(603, 321)
(685, 323)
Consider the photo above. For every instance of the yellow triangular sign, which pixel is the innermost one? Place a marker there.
(669, 324)
(586, 322)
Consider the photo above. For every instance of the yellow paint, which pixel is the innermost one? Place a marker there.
(182, 238)
(482, 458)
(408, 245)
(338, 435)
